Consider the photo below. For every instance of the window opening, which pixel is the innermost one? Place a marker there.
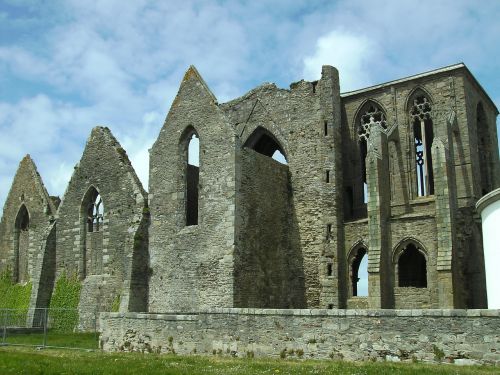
(192, 179)
(329, 269)
(278, 156)
(359, 273)
(22, 225)
(263, 142)
(326, 128)
(95, 213)
(420, 114)
(328, 231)
(327, 176)
(412, 268)
(373, 115)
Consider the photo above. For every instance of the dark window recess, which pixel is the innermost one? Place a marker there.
(193, 176)
(329, 269)
(23, 219)
(326, 128)
(330, 306)
(263, 142)
(412, 268)
(328, 176)
(328, 231)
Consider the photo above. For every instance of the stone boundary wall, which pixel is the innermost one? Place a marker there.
(459, 336)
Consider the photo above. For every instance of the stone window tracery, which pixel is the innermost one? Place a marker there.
(372, 115)
(421, 119)
(95, 213)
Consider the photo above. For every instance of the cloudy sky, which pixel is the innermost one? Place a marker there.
(67, 66)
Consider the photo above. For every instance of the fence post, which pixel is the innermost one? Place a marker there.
(4, 335)
(45, 327)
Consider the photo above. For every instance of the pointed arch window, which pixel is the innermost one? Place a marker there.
(412, 267)
(192, 177)
(358, 272)
(265, 143)
(370, 114)
(21, 245)
(93, 214)
(423, 136)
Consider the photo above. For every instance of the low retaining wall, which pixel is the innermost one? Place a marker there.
(460, 336)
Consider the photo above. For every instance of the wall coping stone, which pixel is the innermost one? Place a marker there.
(194, 315)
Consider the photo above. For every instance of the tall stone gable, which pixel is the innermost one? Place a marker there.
(192, 264)
(102, 229)
(27, 214)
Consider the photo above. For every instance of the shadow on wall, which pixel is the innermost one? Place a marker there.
(269, 271)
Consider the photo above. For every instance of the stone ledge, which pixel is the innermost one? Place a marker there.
(194, 315)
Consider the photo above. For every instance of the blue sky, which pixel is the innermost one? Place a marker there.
(67, 66)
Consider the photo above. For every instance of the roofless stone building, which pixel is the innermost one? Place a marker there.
(390, 172)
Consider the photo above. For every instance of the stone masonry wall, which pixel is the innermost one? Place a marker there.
(460, 336)
(104, 166)
(192, 265)
(268, 269)
(27, 190)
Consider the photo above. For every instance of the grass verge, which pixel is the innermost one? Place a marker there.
(15, 360)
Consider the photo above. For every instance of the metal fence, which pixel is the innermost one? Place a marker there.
(48, 328)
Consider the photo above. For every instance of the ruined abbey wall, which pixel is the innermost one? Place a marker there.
(101, 252)
(388, 173)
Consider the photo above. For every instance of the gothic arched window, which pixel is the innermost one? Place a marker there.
(265, 143)
(95, 212)
(358, 272)
(370, 114)
(412, 267)
(423, 135)
(93, 233)
(21, 245)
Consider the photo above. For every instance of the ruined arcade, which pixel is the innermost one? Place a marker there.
(390, 172)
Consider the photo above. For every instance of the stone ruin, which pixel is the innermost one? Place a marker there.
(390, 172)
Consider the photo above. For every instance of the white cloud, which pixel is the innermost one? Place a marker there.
(350, 54)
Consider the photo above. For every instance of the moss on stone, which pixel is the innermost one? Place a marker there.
(14, 296)
(64, 303)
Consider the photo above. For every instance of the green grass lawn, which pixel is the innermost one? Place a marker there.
(22, 360)
(54, 338)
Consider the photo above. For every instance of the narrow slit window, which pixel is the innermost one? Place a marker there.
(192, 179)
(328, 231)
(326, 128)
(329, 269)
(327, 177)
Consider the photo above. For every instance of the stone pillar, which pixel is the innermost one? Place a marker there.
(445, 195)
(380, 293)
(332, 291)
